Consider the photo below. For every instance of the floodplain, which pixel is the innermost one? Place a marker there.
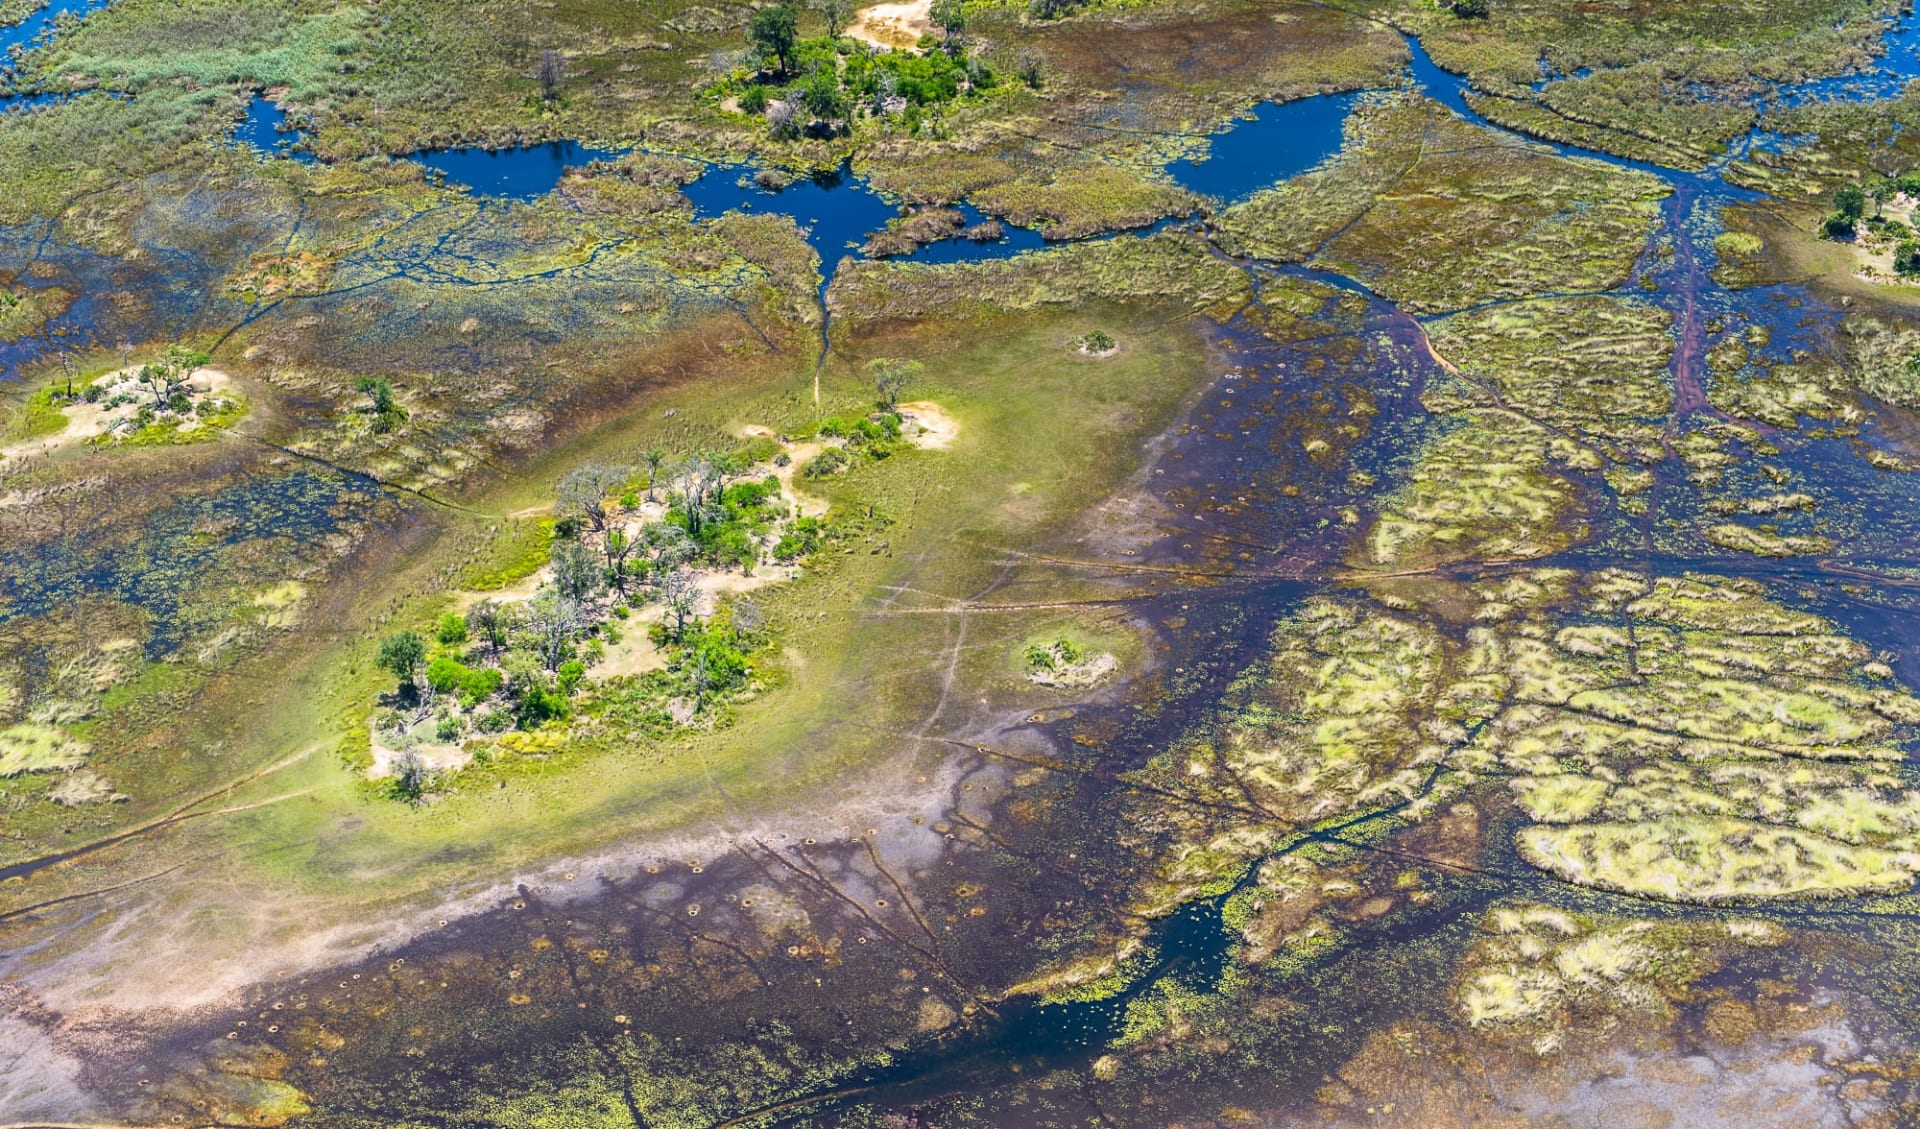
(972, 564)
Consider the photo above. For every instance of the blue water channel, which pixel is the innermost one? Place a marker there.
(838, 211)
(42, 21)
(27, 34)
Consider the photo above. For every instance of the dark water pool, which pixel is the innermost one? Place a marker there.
(525, 172)
(26, 34)
(838, 212)
(268, 129)
(1279, 142)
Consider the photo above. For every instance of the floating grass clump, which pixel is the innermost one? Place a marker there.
(1685, 738)
(1540, 972)
(1715, 860)
(35, 747)
(1484, 489)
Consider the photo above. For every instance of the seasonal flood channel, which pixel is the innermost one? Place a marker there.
(687, 917)
(840, 211)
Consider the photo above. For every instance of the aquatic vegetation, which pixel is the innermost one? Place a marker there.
(1160, 266)
(1645, 81)
(1080, 201)
(1592, 367)
(1542, 974)
(1760, 543)
(35, 747)
(1515, 221)
(29, 310)
(1685, 738)
(1712, 860)
(1484, 489)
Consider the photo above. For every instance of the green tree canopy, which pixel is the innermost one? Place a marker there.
(772, 32)
(401, 655)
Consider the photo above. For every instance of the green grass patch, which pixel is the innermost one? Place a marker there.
(518, 552)
(41, 415)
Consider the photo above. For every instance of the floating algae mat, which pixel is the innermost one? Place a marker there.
(1187, 565)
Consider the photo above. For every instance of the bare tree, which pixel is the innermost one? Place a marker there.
(552, 69)
(837, 13)
(702, 679)
(618, 547)
(583, 491)
(1027, 64)
(575, 573)
(411, 776)
(696, 487)
(667, 545)
(555, 622)
(783, 118)
(679, 595)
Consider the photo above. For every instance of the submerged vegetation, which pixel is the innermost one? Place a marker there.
(1395, 643)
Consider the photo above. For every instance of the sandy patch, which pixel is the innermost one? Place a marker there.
(799, 455)
(926, 424)
(716, 585)
(87, 421)
(1093, 669)
(893, 25)
(436, 756)
(633, 654)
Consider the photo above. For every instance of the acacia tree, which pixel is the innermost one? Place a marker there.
(891, 377)
(823, 97)
(401, 655)
(491, 621)
(654, 459)
(167, 375)
(386, 410)
(772, 32)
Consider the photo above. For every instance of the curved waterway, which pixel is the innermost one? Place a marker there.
(1191, 946)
